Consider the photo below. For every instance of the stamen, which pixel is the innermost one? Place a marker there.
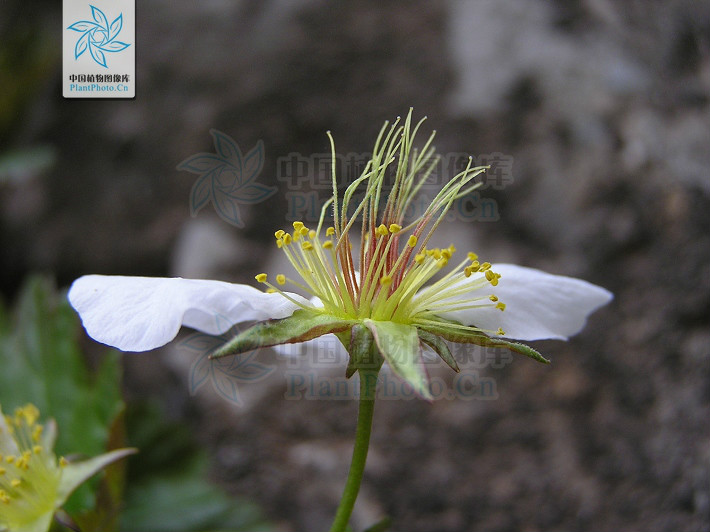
(391, 274)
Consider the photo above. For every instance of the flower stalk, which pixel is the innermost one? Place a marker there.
(366, 409)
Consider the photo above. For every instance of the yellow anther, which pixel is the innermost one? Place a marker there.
(15, 482)
(381, 230)
(63, 462)
(296, 236)
(2, 470)
(279, 243)
(412, 241)
(37, 449)
(467, 271)
(31, 414)
(9, 459)
(500, 331)
(419, 258)
(493, 298)
(395, 228)
(386, 280)
(271, 290)
(490, 275)
(485, 266)
(4, 497)
(475, 266)
(327, 244)
(452, 249)
(442, 262)
(297, 226)
(281, 278)
(330, 231)
(261, 278)
(279, 233)
(304, 231)
(287, 239)
(500, 306)
(307, 246)
(446, 253)
(311, 234)
(37, 433)
(494, 281)
(472, 256)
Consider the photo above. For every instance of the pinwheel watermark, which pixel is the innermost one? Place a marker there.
(98, 36)
(224, 375)
(227, 178)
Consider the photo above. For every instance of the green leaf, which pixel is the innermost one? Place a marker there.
(381, 526)
(454, 332)
(44, 365)
(440, 347)
(398, 344)
(302, 325)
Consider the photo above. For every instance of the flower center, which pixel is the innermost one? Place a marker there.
(394, 261)
(29, 475)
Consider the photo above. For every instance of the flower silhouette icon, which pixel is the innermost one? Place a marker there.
(227, 178)
(225, 376)
(98, 36)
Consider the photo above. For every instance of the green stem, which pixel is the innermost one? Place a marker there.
(368, 381)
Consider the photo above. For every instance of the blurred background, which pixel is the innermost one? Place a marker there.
(603, 107)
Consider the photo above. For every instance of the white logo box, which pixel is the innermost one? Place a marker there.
(99, 49)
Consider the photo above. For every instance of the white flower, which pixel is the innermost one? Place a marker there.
(397, 302)
(34, 484)
(143, 313)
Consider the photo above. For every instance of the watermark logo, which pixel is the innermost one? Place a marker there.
(227, 178)
(98, 36)
(98, 48)
(308, 183)
(224, 374)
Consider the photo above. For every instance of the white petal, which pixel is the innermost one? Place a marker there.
(142, 313)
(538, 305)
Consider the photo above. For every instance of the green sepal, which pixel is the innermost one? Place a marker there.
(363, 351)
(40, 524)
(453, 332)
(345, 338)
(301, 326)
(398, 343)
(439, 347)
(74, 474)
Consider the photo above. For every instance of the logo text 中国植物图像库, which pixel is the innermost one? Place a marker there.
(99, 48)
